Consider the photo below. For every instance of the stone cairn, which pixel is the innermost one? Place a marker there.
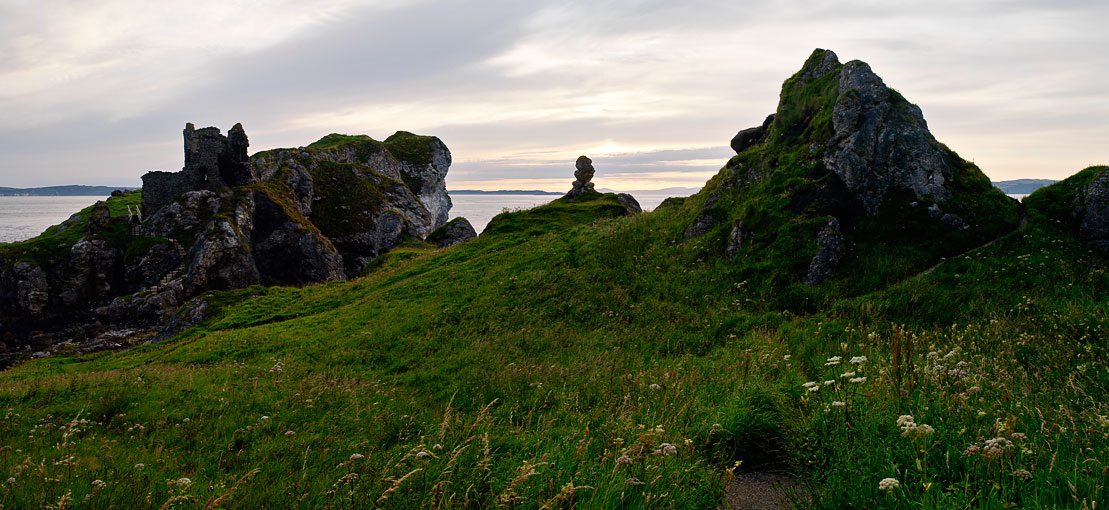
(583, 174)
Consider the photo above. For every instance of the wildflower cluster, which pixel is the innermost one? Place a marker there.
(909, 427)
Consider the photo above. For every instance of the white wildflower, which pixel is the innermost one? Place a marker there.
(11, 481)
(264, 418)
(655, 386)
(809, 384)
(905, 420)
(829, 381)
(786, 357)
(666, 450)
(290, 433)
(845, 375)
(139, 467)
(858, 360)
(356, 456)
(857, 379)
(99, 484)
(995, 447)
(834, 360)
(182, 482)
(838, 404)
(888, 484)
(814, 388)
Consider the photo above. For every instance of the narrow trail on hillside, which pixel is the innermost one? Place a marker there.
(1021, 224)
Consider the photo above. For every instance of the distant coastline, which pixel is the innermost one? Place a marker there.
(502, 192)
(1022, 186)
(1019, 186)
(60, 191)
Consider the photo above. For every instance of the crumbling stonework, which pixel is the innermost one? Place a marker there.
(212, 162)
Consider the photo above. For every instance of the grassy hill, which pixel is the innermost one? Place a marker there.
(568, 358)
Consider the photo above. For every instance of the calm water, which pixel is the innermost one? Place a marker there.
(26, 217)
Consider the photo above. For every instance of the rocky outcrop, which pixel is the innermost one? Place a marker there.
(832, 249)
(1092, 209)
(881, 142)
(842, 145)
(227, 221)
(455, 231)
(583, 174)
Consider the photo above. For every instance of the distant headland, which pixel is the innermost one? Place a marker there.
(73, 190)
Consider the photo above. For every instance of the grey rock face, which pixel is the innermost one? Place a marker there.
(90, 271)
(583, 174)
(629, 202)
(185, 214)
(24, 287)
(831, 252)
(288, 253)
(1094, 211)
(881, 142)
(432, 179)
(735, 240)
(219, 259)
(455, 231)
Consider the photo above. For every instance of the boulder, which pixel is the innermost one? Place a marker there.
(455, 231)
(629, 202)
(750, 136)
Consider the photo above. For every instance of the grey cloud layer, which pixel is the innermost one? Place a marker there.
(518, 89)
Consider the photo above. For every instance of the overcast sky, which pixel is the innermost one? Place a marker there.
(98, 92)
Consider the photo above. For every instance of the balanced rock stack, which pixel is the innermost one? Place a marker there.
(583, 174)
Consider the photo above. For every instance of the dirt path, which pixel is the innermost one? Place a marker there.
(1023, 222)
(764, 491)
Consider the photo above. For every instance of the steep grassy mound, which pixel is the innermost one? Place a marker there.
(776, 195)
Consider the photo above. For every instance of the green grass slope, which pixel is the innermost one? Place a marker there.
(567, 358)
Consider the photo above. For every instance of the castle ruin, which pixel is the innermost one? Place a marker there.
(212, 162)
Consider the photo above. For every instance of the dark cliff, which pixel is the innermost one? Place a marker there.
(225, 221)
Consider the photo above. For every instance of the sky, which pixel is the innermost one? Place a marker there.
(98, 92)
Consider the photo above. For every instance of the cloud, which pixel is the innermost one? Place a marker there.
(651, 89)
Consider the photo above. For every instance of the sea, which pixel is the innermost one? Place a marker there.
(22, 218)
